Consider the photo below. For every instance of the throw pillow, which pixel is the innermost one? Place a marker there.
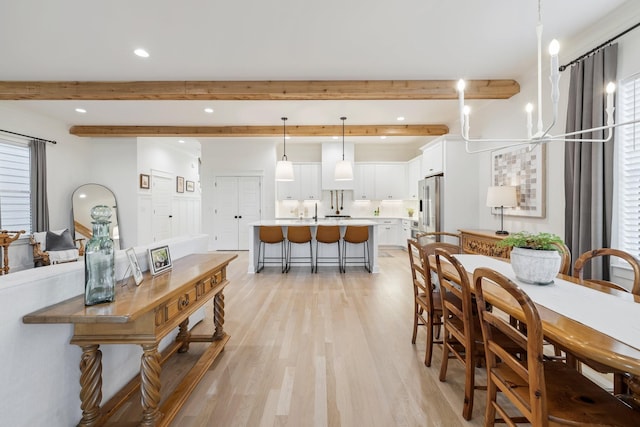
(59, 242)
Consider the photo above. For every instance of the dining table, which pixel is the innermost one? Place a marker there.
(596, 324)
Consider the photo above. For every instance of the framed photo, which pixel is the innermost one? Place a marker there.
(191, 186)
(525, 170)
(159, 260)
(144, 181)
(180, 184)
(135, 267)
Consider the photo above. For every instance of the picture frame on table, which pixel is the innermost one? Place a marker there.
(180, 184)
(191, 186)
(159, 260)
(526, 170)
(144, 181)
(136, 272)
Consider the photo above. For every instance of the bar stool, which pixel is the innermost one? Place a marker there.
(298, 235)
(328, 234)
(356, 235)
(271, 234)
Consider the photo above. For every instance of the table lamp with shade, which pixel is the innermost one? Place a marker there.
(501, 197)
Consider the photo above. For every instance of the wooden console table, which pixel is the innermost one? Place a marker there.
(483, 242)
(144, 315)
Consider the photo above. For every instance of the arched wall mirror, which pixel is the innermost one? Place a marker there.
(86, 197)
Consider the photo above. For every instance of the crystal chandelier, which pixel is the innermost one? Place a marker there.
(542, 134)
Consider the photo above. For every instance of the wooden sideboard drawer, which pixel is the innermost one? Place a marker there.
(176, 305)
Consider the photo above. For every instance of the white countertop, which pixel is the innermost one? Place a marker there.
(311, 222)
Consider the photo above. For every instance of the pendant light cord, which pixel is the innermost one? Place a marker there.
(343, 119)
(284, 137)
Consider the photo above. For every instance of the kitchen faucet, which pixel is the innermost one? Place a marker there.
(315, 216)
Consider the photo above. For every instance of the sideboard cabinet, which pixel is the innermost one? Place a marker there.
(483, 242)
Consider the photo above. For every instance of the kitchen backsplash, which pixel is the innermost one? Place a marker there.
(345, 206)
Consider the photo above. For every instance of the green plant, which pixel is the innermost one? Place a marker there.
(539, 241)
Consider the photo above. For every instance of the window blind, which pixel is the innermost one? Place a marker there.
(15, 187)
(629, 161)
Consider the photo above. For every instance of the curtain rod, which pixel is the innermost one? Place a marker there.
(563, 67)
(28, 136)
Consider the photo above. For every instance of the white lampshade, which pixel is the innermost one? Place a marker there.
(284, 171)
(344, 171)
(502, 196)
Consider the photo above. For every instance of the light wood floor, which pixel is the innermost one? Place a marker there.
(325, 350)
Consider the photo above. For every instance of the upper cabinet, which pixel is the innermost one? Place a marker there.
(391, 181)
(414, 174)
(433, 158)
(331, 154)
(364, 175)
(306, 185)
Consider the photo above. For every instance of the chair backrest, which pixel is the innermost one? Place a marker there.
(271, 234)
(299, 234)
(565, 253)
(328, 234)
(578, 267)
(455, 287)
(440, 237)
(356, 233)
(420, 273)
(532, 404)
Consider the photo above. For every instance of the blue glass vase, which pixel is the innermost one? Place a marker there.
(99, 260)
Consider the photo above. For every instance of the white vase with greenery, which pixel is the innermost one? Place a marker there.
(534, 257)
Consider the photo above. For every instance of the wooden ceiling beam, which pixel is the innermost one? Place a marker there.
(258, 131)
(256, 90)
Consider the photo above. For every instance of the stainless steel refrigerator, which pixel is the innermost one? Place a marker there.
(430, 193)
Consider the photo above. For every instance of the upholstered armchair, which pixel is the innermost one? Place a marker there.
(54, 247)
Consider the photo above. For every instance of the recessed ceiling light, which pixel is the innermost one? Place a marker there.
(208, 110)
(383, 137)
(141, 53)
(181, 141)
(400, 118)
(81, 110)
(335, 137)
(287, 137)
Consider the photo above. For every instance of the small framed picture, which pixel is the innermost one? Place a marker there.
(159, 260)
(191, 186)
(144, 180)
(180, 184)
(135, 267)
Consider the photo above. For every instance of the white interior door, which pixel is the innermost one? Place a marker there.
(238, 202)
(161, 193)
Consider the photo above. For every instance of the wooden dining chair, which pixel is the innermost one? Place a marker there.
(565, 254)
(461, 339)
(542, 392)
(619, 385)
(587, 257)
(427, 306)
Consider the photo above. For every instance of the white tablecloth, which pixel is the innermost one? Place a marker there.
(609, 314)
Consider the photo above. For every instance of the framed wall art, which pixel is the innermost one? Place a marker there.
(144, 181)
(180, 184)
(524, 169)
(159, 260)
(191, 186)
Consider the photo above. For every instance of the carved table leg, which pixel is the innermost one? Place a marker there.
(183, 336)
(90, 384)
(150, 384)
(633, 398)
(218, 315)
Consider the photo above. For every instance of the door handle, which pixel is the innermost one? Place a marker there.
(170, 216)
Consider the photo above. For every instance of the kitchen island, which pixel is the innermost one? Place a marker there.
(324, 250)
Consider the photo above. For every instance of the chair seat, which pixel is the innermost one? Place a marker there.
(56, 257)
(571, 396)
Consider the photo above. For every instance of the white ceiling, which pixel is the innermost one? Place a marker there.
(276, 40)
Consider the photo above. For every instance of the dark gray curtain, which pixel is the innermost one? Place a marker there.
(39, 205)
(589, 165)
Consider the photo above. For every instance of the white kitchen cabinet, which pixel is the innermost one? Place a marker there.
(413, 176)
(390, 181)
(306, 183)
(433, 158)
(364, 175)
(331, 154)
(405, 232)
(388, 231)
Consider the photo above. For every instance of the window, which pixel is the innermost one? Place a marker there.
(15, 186)
(628, 148)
